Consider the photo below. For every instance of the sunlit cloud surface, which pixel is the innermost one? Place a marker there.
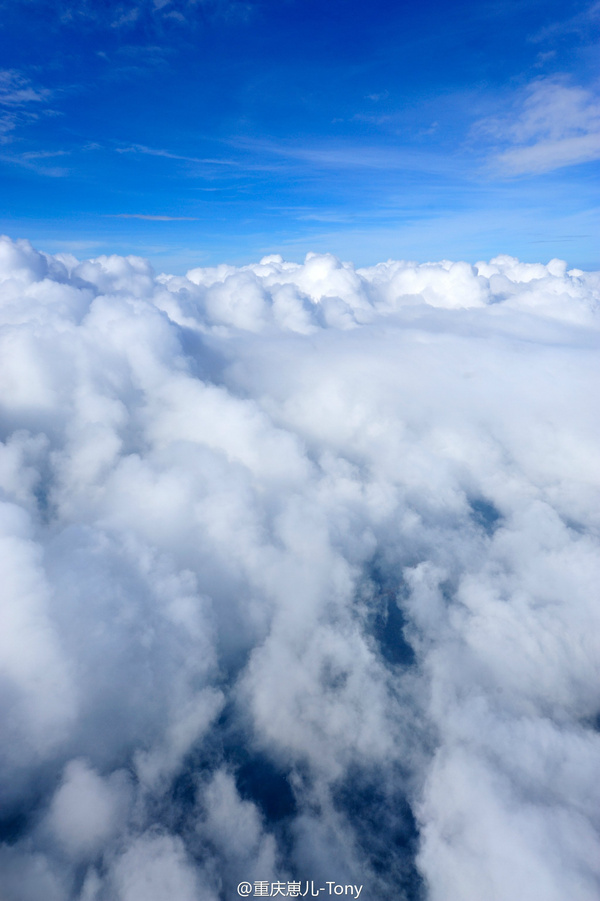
(299, 579)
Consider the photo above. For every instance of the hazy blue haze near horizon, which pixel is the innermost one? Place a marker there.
(194, 133)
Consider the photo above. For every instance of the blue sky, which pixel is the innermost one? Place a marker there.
(199, 132)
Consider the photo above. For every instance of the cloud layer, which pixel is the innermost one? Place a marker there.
(300, 569)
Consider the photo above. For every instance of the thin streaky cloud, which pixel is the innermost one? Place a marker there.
(31, 164)
(151, 151)
(17, 90)
(553, 124)
(43, 154)
(546, 156)
(153, 218)
(356, 156)
(558, 238)
(581, 23)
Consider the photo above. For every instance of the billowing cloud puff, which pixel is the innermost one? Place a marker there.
(300, 577)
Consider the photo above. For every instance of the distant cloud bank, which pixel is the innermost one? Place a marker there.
(300, 568)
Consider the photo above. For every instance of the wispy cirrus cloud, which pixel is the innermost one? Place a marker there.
(352, 155)
(17, 95)
(17, 90)
(43, 154)
(153, 218)
(34, 166)
(127, 16)
(167, 154)
(553, 125)
(581, 23)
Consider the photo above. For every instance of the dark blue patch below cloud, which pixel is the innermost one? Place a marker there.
(485, 515)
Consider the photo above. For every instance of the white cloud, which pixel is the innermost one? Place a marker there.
(16, 90)
(156, 868)
(360, 156)
(19, 100)
(555, 125)
(85, 811)
(154, 218)
(292, 550)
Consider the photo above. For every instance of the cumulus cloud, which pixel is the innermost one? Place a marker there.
(85, 809)
(300, 568)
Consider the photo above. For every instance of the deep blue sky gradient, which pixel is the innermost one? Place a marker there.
(371, 130)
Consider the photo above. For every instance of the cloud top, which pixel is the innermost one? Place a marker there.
(299, 571)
